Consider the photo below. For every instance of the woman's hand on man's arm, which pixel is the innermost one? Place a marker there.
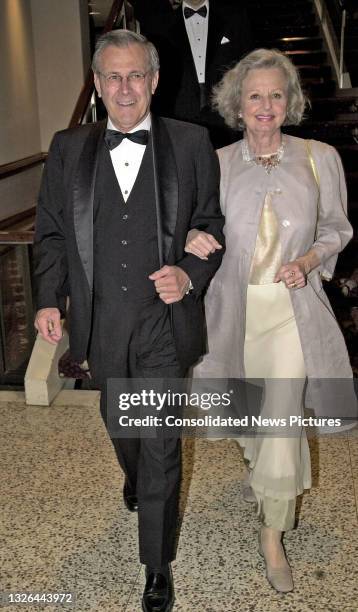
(201, 244)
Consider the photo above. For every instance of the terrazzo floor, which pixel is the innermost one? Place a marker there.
(64, 527)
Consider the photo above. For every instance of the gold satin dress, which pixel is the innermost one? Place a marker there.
(279, 456)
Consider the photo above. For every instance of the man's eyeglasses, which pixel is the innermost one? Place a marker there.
(134, 78)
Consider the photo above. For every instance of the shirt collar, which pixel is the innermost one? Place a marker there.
(143, 125)
(205, 3)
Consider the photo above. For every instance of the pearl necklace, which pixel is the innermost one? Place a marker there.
(268, 162)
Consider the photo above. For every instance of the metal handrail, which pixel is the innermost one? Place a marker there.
(336, 48)
(86, 95)
(26, 235)
(342, 41)
(17, 237)
(19, 165)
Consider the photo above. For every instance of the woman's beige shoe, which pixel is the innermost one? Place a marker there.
(247, 493)
(280, 578)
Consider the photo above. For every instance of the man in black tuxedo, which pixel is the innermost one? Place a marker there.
(114, 210)
(197, 43)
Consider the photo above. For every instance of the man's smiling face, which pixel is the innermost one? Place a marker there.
(127, 101)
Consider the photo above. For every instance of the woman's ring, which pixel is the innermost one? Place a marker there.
(292, 273)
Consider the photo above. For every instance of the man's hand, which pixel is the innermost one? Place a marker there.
(201, 244)
(47, 323)
(171, 282)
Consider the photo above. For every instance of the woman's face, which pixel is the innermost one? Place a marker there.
(264, 101)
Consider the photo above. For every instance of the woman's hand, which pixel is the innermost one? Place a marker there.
(201, 244)
(293, 274)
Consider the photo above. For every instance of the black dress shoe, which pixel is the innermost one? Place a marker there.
(158, 594)
(130, 498)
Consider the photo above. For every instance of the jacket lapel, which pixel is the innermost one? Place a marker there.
(83, 198)
(166, 186)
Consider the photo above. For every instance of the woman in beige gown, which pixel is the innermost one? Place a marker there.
(268, 317)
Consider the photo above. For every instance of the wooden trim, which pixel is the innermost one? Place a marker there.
(25, 217)
(87, 89)
(83, 101)
(17, 237)
(22, 164)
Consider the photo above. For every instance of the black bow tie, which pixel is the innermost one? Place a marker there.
(189, 12)
(113, 138)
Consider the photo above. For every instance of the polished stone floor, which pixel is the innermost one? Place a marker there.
(64, 527)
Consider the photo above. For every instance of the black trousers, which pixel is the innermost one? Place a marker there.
(136, 341)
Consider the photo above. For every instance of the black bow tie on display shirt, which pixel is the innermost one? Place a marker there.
(113, 138)
(189, 12)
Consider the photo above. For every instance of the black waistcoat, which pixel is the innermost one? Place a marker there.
(125, 235)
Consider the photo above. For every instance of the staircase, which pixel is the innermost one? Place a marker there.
(294, 29)
(352, 48)
(351, 33)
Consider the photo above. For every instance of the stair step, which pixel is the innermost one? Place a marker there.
(285, 13)
(277, 4)
(312, 71)
(349, 150)
(294, 43)
(344, 117)
(292, 28)
(297, 18)
(352, 180)
(335, 140)
(318, 88)
(351, 55)
(329, 132)
(264, 32)
(349, 155)
(352, 28)
(327, 109)
(305, 56)
(351, 41)
(347, 93)
(345, 123)
(339, 103)
(354, 77)
(352, 213)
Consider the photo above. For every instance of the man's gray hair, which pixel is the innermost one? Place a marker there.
(227, 94)
(125, 38)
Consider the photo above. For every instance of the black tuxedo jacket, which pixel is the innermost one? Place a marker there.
(229, 38)
(187, 181)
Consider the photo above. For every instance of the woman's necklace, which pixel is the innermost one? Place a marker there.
(267, 161)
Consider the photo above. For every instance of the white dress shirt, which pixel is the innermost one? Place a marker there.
(197, 31)
(127, 158)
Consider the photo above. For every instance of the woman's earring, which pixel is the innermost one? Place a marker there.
(239, 115)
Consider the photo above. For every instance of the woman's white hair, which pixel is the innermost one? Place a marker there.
(227, 93)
